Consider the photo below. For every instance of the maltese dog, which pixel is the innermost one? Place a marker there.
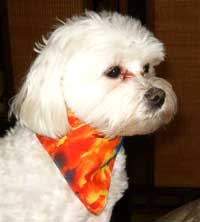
(92, 83)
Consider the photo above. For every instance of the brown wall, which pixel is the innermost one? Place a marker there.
(177, 149)
(28, 21)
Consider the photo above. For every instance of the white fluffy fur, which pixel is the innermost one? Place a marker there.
(70, 72)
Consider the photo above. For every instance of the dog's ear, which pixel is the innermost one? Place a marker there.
(40, 104)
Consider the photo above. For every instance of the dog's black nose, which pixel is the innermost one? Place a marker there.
(155, 97)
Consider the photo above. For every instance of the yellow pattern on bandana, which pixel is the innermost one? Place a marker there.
(85, 159)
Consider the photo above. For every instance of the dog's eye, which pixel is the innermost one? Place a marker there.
(113, 72)
(146, 68)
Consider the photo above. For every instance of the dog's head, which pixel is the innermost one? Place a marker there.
(101, 66)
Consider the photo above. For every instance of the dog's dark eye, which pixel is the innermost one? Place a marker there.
(113, 72)
(146, 68)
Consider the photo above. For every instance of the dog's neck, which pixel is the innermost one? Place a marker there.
(85, 159)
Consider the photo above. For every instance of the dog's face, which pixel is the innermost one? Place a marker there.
(103, 69)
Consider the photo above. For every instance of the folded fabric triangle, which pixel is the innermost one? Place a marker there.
(85, 158)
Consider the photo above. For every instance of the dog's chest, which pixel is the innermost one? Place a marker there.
(35, 189)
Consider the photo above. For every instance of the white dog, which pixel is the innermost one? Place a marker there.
(99, 69)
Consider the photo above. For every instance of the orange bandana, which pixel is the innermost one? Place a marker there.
(86, 160)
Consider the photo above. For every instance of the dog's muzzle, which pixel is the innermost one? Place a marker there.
(155, 97)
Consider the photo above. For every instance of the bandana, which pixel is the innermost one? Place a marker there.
(85, 158)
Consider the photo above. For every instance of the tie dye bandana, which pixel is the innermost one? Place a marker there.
(85, 159)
